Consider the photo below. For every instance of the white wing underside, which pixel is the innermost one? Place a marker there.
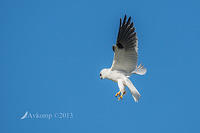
(126, 50)
(125, 60)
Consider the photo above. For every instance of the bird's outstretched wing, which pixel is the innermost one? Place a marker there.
(125, 50)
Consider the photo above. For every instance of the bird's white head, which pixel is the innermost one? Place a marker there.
(104, 73)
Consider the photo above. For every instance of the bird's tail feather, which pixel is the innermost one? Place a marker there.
(140, 70)
(136, 95)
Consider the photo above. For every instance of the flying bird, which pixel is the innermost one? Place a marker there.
(125, 60)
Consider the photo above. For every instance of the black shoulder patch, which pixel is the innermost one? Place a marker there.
(119, 45)
(113, 48)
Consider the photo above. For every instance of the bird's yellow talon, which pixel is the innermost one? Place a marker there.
(117, 94)
(120, 97)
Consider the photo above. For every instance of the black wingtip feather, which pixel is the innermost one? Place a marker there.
(129, 20)
(126, 36)
(131, 25)
(124, 20)
(120, 23)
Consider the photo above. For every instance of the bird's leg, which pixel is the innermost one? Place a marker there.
(121, 88)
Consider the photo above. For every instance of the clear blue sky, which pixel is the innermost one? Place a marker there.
(51, 52)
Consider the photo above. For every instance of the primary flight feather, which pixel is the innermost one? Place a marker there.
(125, 60)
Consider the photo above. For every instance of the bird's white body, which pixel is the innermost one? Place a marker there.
(112, 75)
(122, 81)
